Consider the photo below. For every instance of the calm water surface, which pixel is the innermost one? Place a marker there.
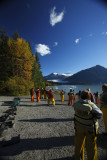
(76, 88)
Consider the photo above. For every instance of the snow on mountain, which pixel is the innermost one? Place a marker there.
(57, 77)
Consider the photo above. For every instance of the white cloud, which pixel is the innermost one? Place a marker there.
(55, 17)
(104, 33)
(77, 40)
(55, 43)
(42, 49)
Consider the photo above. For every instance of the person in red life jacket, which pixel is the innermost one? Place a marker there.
(32, 94)
(51, 98)
(96, 97)
(38, 95)
(62, 96)
(71, 97)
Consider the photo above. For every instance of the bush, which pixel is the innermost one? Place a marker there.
(17, 86)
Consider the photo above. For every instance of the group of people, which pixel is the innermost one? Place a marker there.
(43, 94)
(86, 117)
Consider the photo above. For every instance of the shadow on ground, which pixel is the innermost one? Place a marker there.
(37, 144)
(47, 120)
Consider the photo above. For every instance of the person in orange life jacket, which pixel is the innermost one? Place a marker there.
(62, 96)
(92, 96)
(71, 97)
(96, 97)
(38, 95)
(51, 98)
(32, 94)
(103, 106)
(86, 126)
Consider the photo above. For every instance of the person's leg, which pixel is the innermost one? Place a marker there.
(91, 146)
(71, 101)
(31, 99)
(104, 110)
(48, 101)
(53, 101)
(79, 144)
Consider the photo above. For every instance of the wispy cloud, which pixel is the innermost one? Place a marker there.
(42, 49)
(55, 43)
(77, 40)
(55, 17)
(104, 33)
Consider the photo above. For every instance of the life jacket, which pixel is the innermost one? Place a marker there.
(92, 97)
(62, 92)
(51, 95)
(31, 92)
(71, 94)
(83, 116)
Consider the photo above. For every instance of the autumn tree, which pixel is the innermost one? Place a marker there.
(20, 69)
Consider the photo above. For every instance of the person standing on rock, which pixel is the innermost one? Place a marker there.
(103, 105)
(86, 127)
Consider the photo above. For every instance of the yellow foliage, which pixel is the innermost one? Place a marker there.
(18, 86)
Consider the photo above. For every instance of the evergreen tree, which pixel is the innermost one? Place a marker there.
(37, 60)
(37, 76)
(15, 35)
(4, 61)
(29, 46)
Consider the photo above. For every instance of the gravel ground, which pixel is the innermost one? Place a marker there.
(46, 132)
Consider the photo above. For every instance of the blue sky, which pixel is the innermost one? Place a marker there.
(69, 35)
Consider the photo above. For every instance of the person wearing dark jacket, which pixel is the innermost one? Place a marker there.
(86, 126)
(103, 105)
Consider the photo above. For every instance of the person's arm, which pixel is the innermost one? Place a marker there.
(97, 113)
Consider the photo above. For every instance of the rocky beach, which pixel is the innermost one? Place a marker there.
(43, 132)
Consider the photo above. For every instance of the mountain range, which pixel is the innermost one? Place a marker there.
(93, 75)
(57, 77)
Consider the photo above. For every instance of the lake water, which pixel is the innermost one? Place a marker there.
(76, 88)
